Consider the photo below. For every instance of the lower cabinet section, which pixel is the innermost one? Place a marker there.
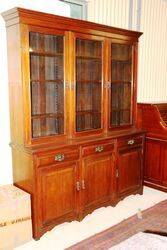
(130, 166)
(70, 182)
(155, 174)
(57, 185)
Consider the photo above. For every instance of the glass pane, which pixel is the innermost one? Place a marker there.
(47, 126)
(47, 84)
(46, 68)
(121, 76)
(121, 103)
(88, 84)
(45, 43)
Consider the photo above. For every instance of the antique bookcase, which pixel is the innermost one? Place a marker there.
(74, 140)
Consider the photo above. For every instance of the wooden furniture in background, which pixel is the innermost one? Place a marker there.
(74, 140)
(153, 118)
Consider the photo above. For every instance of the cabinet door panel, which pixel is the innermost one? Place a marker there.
(58, 192)
(130, 169)
(97, 174)
(152, 161)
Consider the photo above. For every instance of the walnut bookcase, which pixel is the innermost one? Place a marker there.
(74, 139)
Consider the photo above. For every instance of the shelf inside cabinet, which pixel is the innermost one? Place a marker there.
(120, 82)
(50, 115)
(85, 112)
(45, 53)
(88, 82)
(121, 61)
(120, 109)
(94, 58)
(54, 81)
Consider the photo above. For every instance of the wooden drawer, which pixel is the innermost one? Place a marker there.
(97, 149)
(130, 141)
(57, 157)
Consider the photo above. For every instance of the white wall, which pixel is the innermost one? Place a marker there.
(49, 6)
(153, 52)
(152, 70)
(109, 12)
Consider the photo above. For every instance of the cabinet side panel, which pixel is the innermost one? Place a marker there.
(23, 173)
(15, 84)
(164, 163)
(152, 161)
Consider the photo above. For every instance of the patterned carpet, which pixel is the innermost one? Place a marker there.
(152, 219)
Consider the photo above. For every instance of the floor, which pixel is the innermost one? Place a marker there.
(67, 234)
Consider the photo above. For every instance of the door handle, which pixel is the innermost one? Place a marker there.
(131, 142)
(99, 149)
(59, 157)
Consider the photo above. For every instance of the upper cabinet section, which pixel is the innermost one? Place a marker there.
(88, 84)
(46, 54)
(68, 78)
(121, 84)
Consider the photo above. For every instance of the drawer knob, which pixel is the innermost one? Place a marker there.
(59, 157)
(99, 149)
(131, 142)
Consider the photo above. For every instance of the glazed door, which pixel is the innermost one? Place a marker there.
(47, 76)
(58, 193)
(97, 181)
(129, 170)
(88, 78)
(121, 89)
